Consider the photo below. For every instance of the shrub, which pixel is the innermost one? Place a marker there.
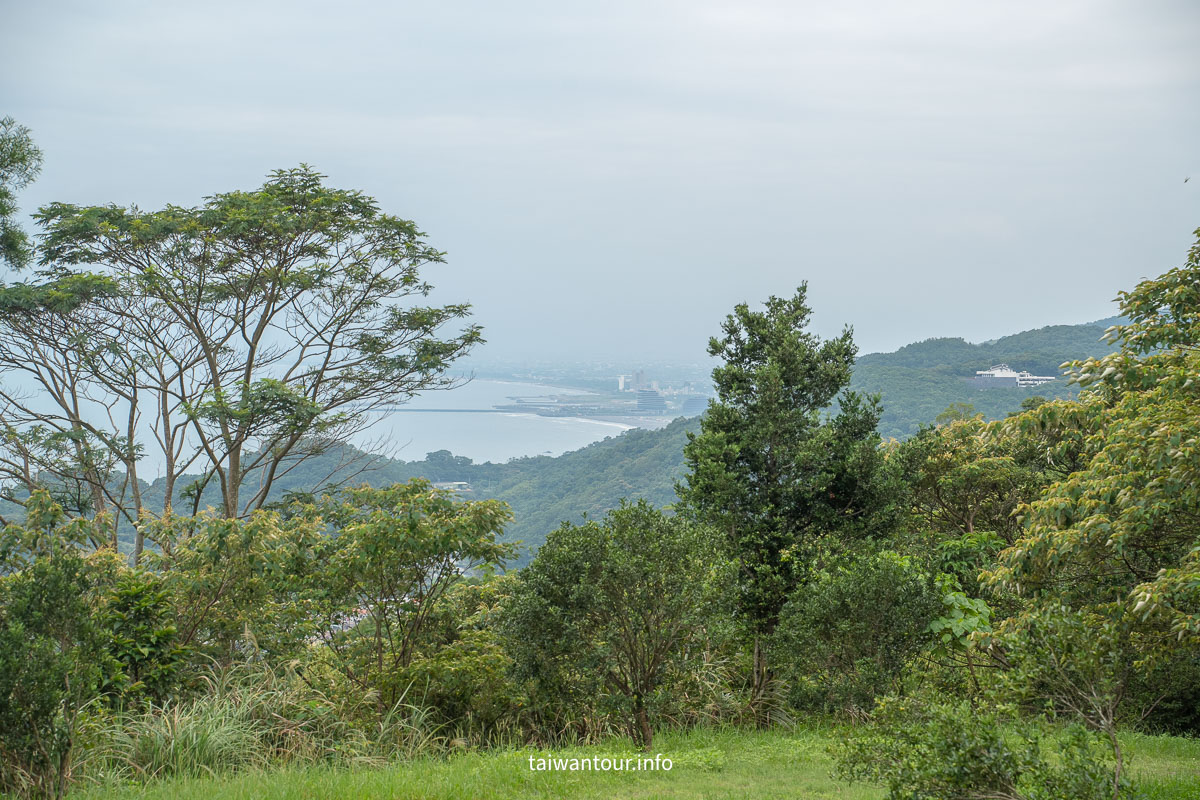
(847, 635)
(953, 751)
(51, 649)
(141, 639)
(461, 671)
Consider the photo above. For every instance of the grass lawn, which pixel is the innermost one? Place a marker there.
(707, 764)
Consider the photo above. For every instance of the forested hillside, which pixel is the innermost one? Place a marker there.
(919, 381)
(545, 491)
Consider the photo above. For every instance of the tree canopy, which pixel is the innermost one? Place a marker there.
(769, 468)
(20, 163)
(232, 341)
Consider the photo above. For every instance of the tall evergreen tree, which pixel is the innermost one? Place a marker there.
(773, 467)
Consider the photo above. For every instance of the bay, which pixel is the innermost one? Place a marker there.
(443, 420)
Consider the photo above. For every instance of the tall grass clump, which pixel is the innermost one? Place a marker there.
(250, 717)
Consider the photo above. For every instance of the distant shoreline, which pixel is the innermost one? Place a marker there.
(623, 421)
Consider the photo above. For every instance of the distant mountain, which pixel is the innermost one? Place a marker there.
(918, 381)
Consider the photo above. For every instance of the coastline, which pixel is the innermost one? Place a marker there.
(465, 422)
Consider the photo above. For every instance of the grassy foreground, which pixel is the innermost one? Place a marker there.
(707, 764)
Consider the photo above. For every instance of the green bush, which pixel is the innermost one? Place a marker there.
(846, 636)
(52, 655)
(142, 639)
(607, 610)
(954, 751)
(461, 671)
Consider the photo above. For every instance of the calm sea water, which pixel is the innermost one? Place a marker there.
(483, 437)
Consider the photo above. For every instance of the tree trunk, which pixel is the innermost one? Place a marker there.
(759, 683)
(643, 722)
(1111, 730)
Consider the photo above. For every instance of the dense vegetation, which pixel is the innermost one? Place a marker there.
(919, 381)
(916, 383)
(989, 608)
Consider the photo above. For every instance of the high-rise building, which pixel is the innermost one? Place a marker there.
(650, 402)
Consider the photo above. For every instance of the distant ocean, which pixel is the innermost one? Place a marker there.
(495, 437)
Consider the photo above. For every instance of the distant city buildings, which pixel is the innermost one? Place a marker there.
(1002, 375)
(650, 401)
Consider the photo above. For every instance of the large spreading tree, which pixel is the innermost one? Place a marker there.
(226, 343)
(1110, 554)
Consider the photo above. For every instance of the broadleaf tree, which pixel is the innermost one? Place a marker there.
(378, 577)
(610, 607)
(1108, 553)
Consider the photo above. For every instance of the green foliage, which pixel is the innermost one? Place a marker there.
(377, 578)
(609, 607)
(962, 617)
(52, 655)
(461, 669)
(849, 633)
(965, 478)
(953, 751)
(137, 617)
(544, 491)
(766, 469)
(1116, 540)
(955, 412)
(1064, 662)
(962, 557)
(20, 162)
(236, 584)
(249, 334)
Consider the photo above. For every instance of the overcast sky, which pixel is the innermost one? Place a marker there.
(608, 179)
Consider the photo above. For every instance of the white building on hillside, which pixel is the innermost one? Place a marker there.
(1004, 375)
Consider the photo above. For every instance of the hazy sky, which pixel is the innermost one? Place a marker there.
(610, 178)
